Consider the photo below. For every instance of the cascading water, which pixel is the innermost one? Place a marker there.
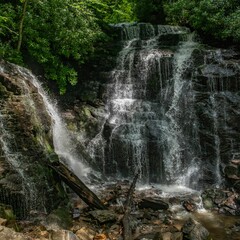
(146, 100)
(24, 187)
(64, 145)
(164, 104)
(26, 119)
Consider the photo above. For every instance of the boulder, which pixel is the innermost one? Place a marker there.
(189, 206)
(153, 203)
(193, 230)
(104, 216)
(10, 234)
(59, 219)
(62, 235)
(85, 233)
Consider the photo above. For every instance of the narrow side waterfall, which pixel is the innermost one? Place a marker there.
(28, 122)
(64, 145)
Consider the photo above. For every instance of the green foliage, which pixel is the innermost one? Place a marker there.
(233, 23)
(218, 18)
(57, 33)
(8, 34)
(110, 11)
(150, 11)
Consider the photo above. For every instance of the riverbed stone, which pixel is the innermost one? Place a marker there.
(59, 219)
(104, 216)
(26, 182)
(153, 203)
(193, 230)
(10, 234)
(62, 235)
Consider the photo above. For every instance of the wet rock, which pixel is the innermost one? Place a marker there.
(30, 186)
(153, 203)
(150, 236)
(9, 234)
(190, 206)
(59, 219)
(177, 236)
(85, 233)
(6, 212)
(236, 186)
(231, 201)
(167, 236)
(193, 230)
(231, 172)
(3, 222)
(100, 237)
(62, 235)
(235, 161)
(104, 216)
(76, 213)
(115, 231)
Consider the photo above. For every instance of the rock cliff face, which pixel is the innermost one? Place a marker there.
(26, 183)
(170, 106)
(167, 105)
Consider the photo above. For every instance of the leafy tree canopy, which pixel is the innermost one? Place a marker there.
(60, 34)
(57, 33)
(218, 18)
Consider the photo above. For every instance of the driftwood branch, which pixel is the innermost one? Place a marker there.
(127, 230)
(77, 186)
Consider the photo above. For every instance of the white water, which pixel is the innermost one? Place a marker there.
(173, 162)
(64, 146)
(134, 111)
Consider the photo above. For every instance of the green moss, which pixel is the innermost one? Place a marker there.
(6, 212)
(61, 217)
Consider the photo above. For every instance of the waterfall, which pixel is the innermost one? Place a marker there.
(24, 186)
(172, 111)
(145, 98)
(64, 145)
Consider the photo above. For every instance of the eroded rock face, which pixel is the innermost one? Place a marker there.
(181, 123)
(26, 183)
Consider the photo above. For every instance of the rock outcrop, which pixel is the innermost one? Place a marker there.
(26, 182)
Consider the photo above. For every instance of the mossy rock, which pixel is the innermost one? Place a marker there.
(6, 212)
(60, 218)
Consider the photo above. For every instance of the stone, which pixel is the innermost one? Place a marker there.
(193, 230)
(3, 221)
(104, 216)
(100, 237)
(236, 186)
(177, 236)
(150, 236)
(231, 171)
(235, 161)
(153, 203)
(167, 236)
(62, 235)
(30, 186)
(6, 212)
(189, 206)
(85, 233)
(9, 234)
(59, 219)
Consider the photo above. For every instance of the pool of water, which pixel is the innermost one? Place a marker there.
(221, 227)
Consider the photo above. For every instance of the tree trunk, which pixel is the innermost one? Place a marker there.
(20, 36)
(126, 221)
(77, 186)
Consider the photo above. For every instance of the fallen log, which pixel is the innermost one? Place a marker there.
(127, 229)
(77, 185)
(153, 203)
